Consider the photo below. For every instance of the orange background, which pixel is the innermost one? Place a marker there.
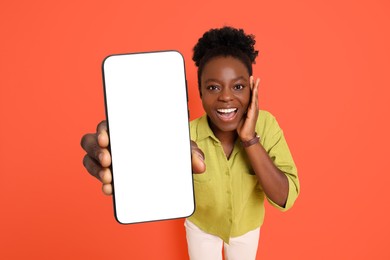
(324, 67)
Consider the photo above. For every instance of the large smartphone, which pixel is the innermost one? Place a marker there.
(147, 116)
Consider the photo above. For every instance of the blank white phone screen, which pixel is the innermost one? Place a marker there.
(147, 116)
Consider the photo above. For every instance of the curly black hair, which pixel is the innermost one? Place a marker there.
(225, 41)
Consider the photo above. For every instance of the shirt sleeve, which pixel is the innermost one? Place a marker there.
(276, 146)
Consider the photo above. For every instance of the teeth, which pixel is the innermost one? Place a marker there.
(226, 110)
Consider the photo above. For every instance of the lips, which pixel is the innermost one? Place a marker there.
(227, 114)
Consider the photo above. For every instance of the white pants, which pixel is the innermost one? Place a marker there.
(204, 246)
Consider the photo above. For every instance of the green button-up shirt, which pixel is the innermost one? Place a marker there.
(229, 199)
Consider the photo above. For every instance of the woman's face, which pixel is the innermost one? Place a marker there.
(225, 92)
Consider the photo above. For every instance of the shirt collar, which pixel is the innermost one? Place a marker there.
(204, 131)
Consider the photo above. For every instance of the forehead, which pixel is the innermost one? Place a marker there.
(224, 68)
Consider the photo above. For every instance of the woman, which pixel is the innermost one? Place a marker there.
(240, 152)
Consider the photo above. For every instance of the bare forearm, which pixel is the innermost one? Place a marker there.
(273, 181)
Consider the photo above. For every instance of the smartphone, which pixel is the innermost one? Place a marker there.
(146, 105)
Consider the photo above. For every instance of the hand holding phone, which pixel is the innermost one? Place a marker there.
(146, 109)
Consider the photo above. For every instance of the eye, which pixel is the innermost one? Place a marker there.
(238, 87)
(212, 88)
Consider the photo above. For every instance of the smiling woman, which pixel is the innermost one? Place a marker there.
(230, 204)
(238, 151)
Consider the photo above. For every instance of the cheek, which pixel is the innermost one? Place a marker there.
(205, 102)
(245, 99)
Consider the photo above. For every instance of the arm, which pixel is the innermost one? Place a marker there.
(274, 182)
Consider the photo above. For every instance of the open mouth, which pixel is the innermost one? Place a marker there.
(227, 114)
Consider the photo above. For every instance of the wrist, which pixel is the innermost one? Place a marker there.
(246, 142)
(244, 137)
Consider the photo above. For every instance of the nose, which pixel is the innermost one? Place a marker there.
(226, 95)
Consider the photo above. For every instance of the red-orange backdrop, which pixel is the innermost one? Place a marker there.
(324, 68)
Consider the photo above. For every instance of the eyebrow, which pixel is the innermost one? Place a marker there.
(238, 78)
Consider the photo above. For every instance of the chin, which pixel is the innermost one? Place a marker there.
(228, 127)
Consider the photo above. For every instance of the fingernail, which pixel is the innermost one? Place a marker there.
(101, 155)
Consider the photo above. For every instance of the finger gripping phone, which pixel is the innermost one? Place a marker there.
(147, 117)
